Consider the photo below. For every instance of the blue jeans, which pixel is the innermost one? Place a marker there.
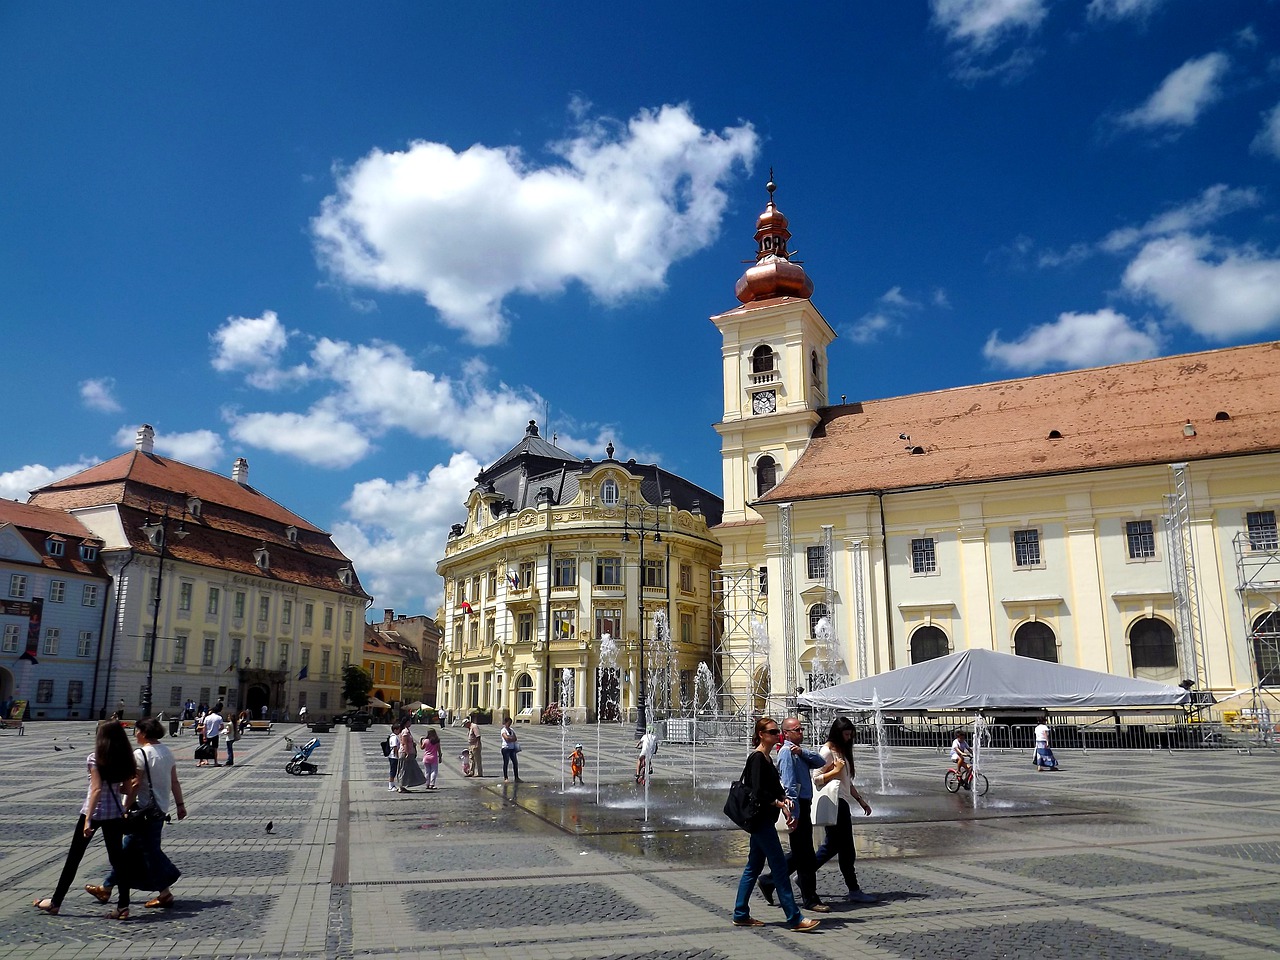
(510, 756)
(765, 845)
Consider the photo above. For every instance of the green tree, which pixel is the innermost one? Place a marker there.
(357, 684)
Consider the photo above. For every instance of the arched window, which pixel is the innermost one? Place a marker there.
(1036, 640)
(609, 492)
(1266, 648)
(817, 612)
(1151, 644)
(766, 475)
(524, 693)
(762, 359)
(814, 366)
(928, 643)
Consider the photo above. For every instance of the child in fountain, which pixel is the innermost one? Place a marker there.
(961, 754)
(576, 760)
(647, 747)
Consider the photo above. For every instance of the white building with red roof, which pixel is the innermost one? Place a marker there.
(256, 606)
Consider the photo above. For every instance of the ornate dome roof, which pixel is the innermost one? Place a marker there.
(774, 273)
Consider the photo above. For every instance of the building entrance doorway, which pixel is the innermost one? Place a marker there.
(257, 697)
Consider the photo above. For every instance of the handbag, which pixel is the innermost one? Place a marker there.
(140, 819)
(206, 751)
(386, 748)
(742, 806)
(826, 803)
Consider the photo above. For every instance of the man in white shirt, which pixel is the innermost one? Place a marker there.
(213, 724)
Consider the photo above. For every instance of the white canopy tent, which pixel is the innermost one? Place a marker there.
(985, 680)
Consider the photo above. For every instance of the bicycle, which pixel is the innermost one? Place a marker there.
(955, 780)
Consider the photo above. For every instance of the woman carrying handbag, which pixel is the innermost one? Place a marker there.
(761, 779)
(839, 835)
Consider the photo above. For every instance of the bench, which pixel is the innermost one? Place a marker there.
(13, 725)
(260, 726)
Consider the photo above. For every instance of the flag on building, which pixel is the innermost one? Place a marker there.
(302, 674)
(466, 607)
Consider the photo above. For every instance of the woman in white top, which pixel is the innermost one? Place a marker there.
(1043, 758)
(510, 749)
(838, 752)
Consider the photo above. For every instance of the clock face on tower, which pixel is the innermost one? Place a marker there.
(764, 402)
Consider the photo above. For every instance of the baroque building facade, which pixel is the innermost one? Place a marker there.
(217, 591)
(1120, 519)
(568, 576)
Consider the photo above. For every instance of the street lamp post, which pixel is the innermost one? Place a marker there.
(643, 530)
(158, 533)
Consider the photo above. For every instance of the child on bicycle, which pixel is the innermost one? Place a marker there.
(961, 756)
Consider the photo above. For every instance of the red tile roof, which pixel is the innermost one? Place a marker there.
(1123, 415)
(38, 524)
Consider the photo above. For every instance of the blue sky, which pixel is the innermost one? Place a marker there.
(362, 244)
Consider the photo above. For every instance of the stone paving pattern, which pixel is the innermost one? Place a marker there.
(1120, 855)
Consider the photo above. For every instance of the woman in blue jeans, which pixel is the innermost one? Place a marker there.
(761, 777)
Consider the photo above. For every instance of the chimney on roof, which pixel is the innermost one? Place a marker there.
(240, 470)
(388, 615)
(145, 441)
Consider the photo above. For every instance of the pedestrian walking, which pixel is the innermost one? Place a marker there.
(408, 773)
(431, 756)
(795, 769)
(213, 724)
(474, 747)
(761, 779)
(1043, 758)
(510, 749)
(838, 752)
(391, 750)
(112, 769)
(232, 728)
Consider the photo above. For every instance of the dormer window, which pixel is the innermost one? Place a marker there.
(262, 559)
(609, 492)
(55, 547)
(88, 552)
(291, 533)
(194, 506)
(346, 576)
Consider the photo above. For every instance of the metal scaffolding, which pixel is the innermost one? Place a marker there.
(1182, 577)
(741, 615)
(1258, 589)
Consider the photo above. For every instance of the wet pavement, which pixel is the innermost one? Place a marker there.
(1121, 854)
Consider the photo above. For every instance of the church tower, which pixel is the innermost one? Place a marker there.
(774, 356)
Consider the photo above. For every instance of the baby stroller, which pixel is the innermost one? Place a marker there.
(300, 764)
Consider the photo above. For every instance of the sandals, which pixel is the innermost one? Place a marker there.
(164, 900)
(46, 905)
(99, 893)
(118, 914)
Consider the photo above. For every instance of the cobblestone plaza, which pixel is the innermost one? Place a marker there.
(1121, 854)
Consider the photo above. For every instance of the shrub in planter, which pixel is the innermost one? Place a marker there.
(551, 713)
(481, 716)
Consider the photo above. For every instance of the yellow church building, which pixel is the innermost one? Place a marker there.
(1120, 519)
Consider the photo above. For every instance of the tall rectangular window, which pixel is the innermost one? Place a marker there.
(1262, 529)
(185, 590)
(816, 562)
(328, 619)
(686, 577)
(75, 692)
(208, 652)
(686, 628)
(286, 612)
(473, 635)
(493, 583)
(565, 572)
(175, 696)
(237, 606)
(608, 620)
(324, 661)
(490, 631)
(306, 657)
(526, 574)
(1026, 548)
(17, 586)
(609, 571)
(84, 646)
(51, 637)
(90, 596)
(260, 653)
(264, 609)
(308, 616)
(564, 624)
(524, 628)
(57, 590)
(215, 595)
(1140, 538)
(284, 656)
(44, 691)
(179, 649)
(148, 644)
(346, 621)
(10, 643)
(655, 573)
(764, 581)
(236, 650)
(923, 558)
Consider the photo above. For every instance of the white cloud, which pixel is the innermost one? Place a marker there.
(1214, 203)
(1268, 139)
(396, 531)
(1182, 95)
(254, 345)
(99, 395)
(319, 436)
(200, 448)
(870, 326)
(1122, 9)
(983, 24)
(17, 484)
(895, 296)
(1075, 340)
(1220, 292)
(468, 229)
(940, 299)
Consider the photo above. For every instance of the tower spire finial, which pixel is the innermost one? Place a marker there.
(775, 274)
